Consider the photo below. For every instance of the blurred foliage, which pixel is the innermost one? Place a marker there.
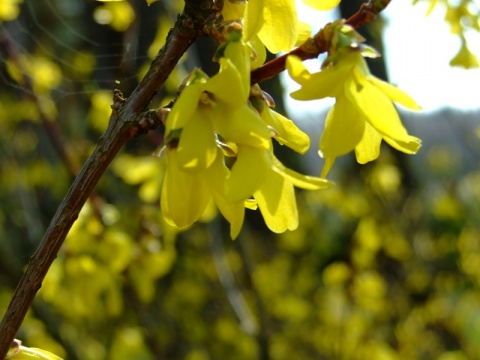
(384, 265)
(463, 16)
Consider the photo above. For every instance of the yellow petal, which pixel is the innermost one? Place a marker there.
(247, 173)
(233, 10)
(409, 145)
(323, 5)
(299, 180)
(297, 70)
(228, 86)
(326, 83)
(368, 149)
(276, 200)
(241, 126)
(465, 58)
(184, 107)
(233, 212)
(197, 147)
(375, 106)
(253, 20)
(259, 52)
(239, 54)
(26, 353)
(329, 161)
(344, 128)
(304, 32)
(280, 25)
(287, 133)
(184, 195)
(394, 93)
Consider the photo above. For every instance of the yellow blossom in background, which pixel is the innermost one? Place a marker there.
(465, 58)
(9, 9)
(44, 73)
(117, 14)
(363, 114)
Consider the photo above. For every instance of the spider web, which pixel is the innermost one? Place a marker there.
(64, 32)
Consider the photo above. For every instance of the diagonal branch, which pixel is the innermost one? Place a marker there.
(128, 119)
(317, 45)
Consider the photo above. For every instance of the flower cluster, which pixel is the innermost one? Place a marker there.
(218, 136)
(363, 113)
(212, 120)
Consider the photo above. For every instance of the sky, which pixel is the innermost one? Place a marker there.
(417, 51)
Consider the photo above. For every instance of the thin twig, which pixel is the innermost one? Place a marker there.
(225, 275)
(262, 335)
(317, 45)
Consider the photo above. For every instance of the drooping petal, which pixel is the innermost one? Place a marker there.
(233, 10)
(409, 145)
(253, 20)
(323, 5)
(276, 200)
(343, 129)
(197, 147)
(297, 70)
(248, 173)
(368, 149)
(259, 52)
(239, 54)
(299, 180)
(376, 107)
(280, 25)
(394, 93)
(184, 195)
(304, 32)
(327, 166)
(240, 125)
(287, 133)
(184, 107)
(234, 212)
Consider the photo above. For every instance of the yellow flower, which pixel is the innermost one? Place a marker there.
(465, 58)
(271, 184)
(214, 117)
(274, 22)
(363, 114)
(185, 195)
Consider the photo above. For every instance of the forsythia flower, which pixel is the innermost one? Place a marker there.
(212, 117)
(363, 113)
(275, 22)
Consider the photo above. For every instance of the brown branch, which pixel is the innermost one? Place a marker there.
(126, 122)
(317, 45)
